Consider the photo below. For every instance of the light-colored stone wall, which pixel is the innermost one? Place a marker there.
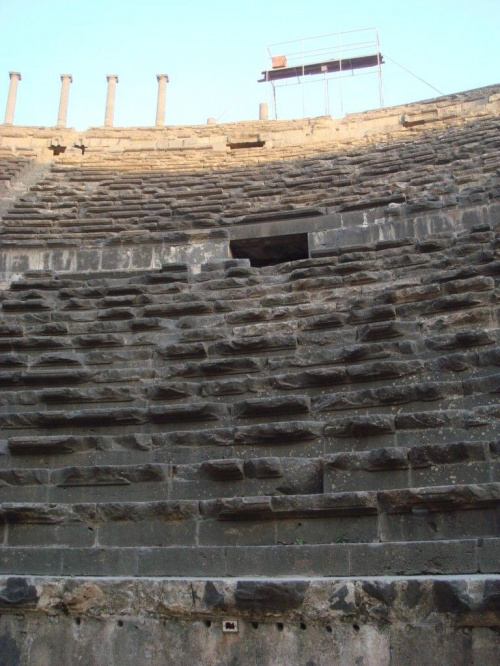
(309, 134)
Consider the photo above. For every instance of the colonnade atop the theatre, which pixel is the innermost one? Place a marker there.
(67, 80)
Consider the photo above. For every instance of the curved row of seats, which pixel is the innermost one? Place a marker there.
(334, 416)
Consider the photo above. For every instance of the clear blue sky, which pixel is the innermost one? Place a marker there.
(214, 51)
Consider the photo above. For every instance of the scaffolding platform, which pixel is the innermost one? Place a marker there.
(335, 57)
(328, 66)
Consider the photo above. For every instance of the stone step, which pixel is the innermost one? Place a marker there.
(437, 558)
(419, 514)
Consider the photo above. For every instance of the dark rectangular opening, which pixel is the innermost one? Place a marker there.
(271, 250)
(247, 144)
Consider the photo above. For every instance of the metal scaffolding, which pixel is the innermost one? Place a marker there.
(321, 59)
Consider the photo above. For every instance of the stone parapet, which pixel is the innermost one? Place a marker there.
(360, 128)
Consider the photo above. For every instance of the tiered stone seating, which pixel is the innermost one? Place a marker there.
(101, 200)
(309, 448)
(10, 168)
(325, 416)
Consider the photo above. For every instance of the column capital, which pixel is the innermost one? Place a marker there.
(15, 74)
(67, 76)
(162, 76)
(110, 77)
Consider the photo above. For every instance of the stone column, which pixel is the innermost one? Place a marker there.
(263, 111)
(15, 77)
(66, 80)
(112, 80)
(160, 106)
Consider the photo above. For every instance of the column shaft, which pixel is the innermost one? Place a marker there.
(15, 77)
(110, 100)
(160, 107)
(66, 80)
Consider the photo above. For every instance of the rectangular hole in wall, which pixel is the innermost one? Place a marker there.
(247, 144)
(271, 250)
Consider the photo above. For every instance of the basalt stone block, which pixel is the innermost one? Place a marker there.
(334, 355)
(53, 328)
(477, 283)
(270, 596)
(345, 400)
(30, 305)
(104, 340)
(455, 302)
(18, 593)
(441, 498)
(248, 316)
(380, 331)
(224, 470)
(175, 267)
(460, 340)
(488, 384)
(252, 345)
(13, 360)
(417, 557)
(47, 377)
(203, 411)
(361, 426)
(35, 342)
(376, 313)
(195, 438)
(400, 394)
(171, 391)
(77, 304)
(327, 320)
(179, 309)
(441, 277)
(492, 268)
(186, 350)
(116, 313)
(144, 324)
(263, 468)
(409, 295)
(278, 433)
(237, 508)
(488, 357)
(136, 512)
(310, 378)
(166, 278)
(38, 514)
(71, 395)
(388, 458)
(425, 420)
(331, 282)
(221, 367)
(36, 445)
(379, 370)
(10, 330)
(91, 418)
(456, 362)
(325, 505)
(269, 407)
(489, 555)
(312, 272)
(110, 475)
(444, 454)
(228, 387)
(302, 476)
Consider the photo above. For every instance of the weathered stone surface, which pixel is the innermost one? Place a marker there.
(289, 405)
(270, 595)
(152, 439)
